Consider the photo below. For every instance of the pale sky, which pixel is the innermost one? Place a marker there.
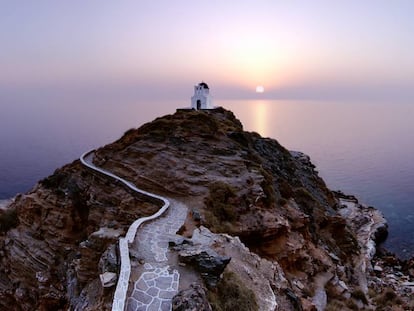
(298, 49)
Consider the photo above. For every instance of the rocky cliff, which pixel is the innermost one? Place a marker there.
(293, 243)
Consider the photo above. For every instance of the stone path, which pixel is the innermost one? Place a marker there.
(158, 283)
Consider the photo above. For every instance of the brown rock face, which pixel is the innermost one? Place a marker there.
(51, 257)
(235, 182)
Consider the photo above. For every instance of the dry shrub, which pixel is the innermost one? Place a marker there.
(221, 210)
(232, 294)
(358, 294)
(388, 298)
(335, 305)
(8, 219)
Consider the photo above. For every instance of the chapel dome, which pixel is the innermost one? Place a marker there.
(204, 85)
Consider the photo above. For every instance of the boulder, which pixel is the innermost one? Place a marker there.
(210, 264)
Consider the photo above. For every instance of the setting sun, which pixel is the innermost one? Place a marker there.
(259, 89)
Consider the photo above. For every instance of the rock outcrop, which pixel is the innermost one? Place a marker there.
(293, 243)
(206, 261)
(192, 298)
(53, 256)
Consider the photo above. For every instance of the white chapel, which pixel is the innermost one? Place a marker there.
(201, 98)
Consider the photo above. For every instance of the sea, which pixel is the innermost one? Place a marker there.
(362, 148)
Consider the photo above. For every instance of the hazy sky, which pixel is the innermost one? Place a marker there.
(312, 49)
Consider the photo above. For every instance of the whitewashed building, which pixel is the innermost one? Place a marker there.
(201, 98)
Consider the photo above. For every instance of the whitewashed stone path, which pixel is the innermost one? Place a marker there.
(158, 284)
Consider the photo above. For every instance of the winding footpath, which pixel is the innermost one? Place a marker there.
(157, 282)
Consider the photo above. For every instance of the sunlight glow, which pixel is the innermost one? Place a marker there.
(259, 89)
(254, 56)
(260, 116)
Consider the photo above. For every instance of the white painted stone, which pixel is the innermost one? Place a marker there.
(108, 279)
(107, 233)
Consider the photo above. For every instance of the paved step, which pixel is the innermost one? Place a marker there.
(158, 284)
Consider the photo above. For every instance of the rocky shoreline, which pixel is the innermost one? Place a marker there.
(384, 271)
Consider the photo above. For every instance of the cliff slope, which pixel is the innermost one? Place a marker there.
(260, 204)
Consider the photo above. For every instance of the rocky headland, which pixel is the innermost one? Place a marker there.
(261, 230)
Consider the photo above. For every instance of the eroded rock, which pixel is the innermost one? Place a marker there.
(210, 264)
(266, 279)
(191, 299)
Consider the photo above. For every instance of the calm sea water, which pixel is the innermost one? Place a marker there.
(365, 149)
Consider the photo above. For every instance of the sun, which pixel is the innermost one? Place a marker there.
(259, 89)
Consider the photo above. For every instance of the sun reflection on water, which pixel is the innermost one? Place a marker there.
(260, 116)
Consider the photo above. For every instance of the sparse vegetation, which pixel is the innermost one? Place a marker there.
(335, 305)
(231, 294)
(302, 195)
(268, 188)
(387, 298)
(8, 219)
(129, 132)
(54, 181)
(371, 292)
(221, 210)
(351, 304)
(340, 305)
(285, 189)
(130, 136)
(63, 185)
(78, 200)
(336, 301)
(309, 291)
(282, 202)
(358, 294)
